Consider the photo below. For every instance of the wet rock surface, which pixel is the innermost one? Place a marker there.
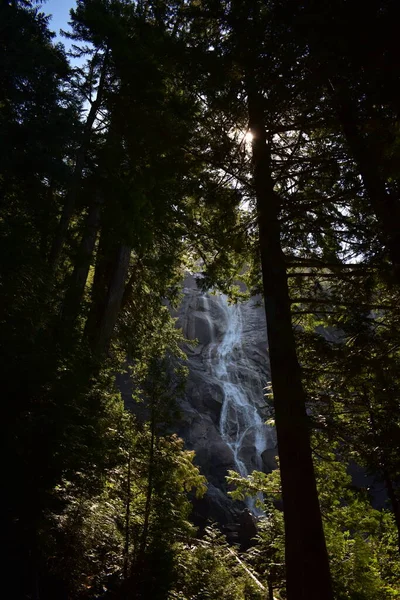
(224, 409)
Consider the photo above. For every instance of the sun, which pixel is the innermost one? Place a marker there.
(248, 137)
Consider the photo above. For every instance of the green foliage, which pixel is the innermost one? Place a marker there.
(207, 570)
(352, 377)
(361, 541)
(93, 532)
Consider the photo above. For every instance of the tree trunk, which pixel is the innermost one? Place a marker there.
(106, 306)
(129, 288)
(384, 205)
(102, 274)
(76, 289)
(72, 194)
(270, 590)
(307, 565)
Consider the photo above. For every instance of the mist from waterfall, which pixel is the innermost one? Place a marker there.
(241, 425)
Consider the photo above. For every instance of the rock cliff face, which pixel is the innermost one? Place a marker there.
(224, 409)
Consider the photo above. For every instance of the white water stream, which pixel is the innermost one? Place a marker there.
(241, 425)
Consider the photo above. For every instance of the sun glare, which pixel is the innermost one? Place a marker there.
(248, 137)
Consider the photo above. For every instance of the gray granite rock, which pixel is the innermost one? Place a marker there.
(231, 357)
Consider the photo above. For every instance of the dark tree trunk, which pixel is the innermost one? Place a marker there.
(270, 590)
(44, 226)
(72, 194)
(385, 206)
(77, 284)
(102, 274)
(114, 298)
(129, 288)
(108, 291)
(307, 565)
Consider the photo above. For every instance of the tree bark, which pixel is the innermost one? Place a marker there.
(270, 590)
(102, 274)
(307, 564)
(72, 194)
(76, 289)
(107, 299)
(134, 277)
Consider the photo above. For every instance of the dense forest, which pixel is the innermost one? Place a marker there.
(249, 141)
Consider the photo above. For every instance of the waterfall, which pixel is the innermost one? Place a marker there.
(241, 425)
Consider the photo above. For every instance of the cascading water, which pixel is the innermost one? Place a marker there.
(241, 425)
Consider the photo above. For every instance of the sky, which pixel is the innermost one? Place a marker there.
(59, 9)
